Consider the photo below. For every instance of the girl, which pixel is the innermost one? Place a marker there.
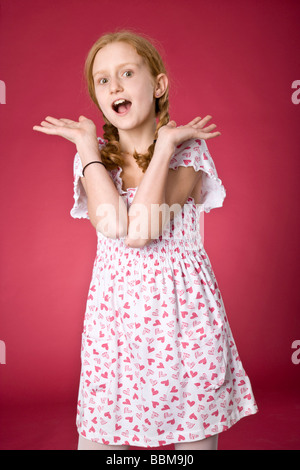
(159, 363)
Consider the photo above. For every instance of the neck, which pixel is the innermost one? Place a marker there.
(138, 140)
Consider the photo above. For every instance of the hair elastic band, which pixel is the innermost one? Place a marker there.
(96, 161)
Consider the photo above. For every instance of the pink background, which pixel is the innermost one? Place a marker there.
(234, 60)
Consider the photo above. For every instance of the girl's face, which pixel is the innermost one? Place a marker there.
(124, 87)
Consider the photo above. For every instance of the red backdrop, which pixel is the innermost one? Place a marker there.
(234, 60)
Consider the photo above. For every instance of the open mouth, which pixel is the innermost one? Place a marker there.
(121, 106)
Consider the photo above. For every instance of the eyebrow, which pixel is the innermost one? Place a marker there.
(119, 66)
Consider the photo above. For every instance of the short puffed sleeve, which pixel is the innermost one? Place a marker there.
(211, 192)
(80, 206)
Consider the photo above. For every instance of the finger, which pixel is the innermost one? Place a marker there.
(46, 130)
(47, 124)
(68, 121)
(209, 128)
(211, 135)
(194, 121)
(205, 120)
(52, 120)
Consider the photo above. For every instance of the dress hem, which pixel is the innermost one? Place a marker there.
(189, 436)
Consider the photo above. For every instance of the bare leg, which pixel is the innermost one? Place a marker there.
(210, 443)
(86, 444)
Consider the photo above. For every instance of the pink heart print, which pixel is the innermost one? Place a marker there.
(159, 364)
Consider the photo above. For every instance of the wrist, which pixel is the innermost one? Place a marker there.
(164, 146)
(87, 142)
(88, 151)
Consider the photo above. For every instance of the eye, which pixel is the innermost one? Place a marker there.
(102, 81)
(128, 73)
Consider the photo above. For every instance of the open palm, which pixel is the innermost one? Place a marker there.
(75, 131)
(195, 129)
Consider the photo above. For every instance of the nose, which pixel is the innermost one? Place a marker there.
(115, 85)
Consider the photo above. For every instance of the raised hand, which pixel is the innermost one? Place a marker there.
(77, 132)
(172, 135)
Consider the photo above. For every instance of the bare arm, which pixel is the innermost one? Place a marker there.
(162, 193)
(146, 214)
(107, 210)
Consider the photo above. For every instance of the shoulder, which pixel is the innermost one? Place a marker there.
(190, 153)
(180, 183)
(101, 142)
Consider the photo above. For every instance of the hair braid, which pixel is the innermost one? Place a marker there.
(162, 106)
(111, 152)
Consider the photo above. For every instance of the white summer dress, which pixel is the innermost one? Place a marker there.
(159, 363)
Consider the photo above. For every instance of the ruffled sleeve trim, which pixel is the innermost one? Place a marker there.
(195, 153)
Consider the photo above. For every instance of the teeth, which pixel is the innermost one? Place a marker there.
(119, 102)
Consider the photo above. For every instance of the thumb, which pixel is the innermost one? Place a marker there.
(172, 124)
(81, 118)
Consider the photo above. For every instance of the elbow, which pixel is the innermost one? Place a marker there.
(109, 221)
(121, 231)
(110, 232)
(136, 242)
(135, 238)
(114, 231)
(111, 227)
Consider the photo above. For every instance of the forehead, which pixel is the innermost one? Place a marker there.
(115, 54)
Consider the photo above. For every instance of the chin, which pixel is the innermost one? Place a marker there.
(128, 123)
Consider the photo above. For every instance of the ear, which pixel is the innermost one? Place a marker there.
(161, 85)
